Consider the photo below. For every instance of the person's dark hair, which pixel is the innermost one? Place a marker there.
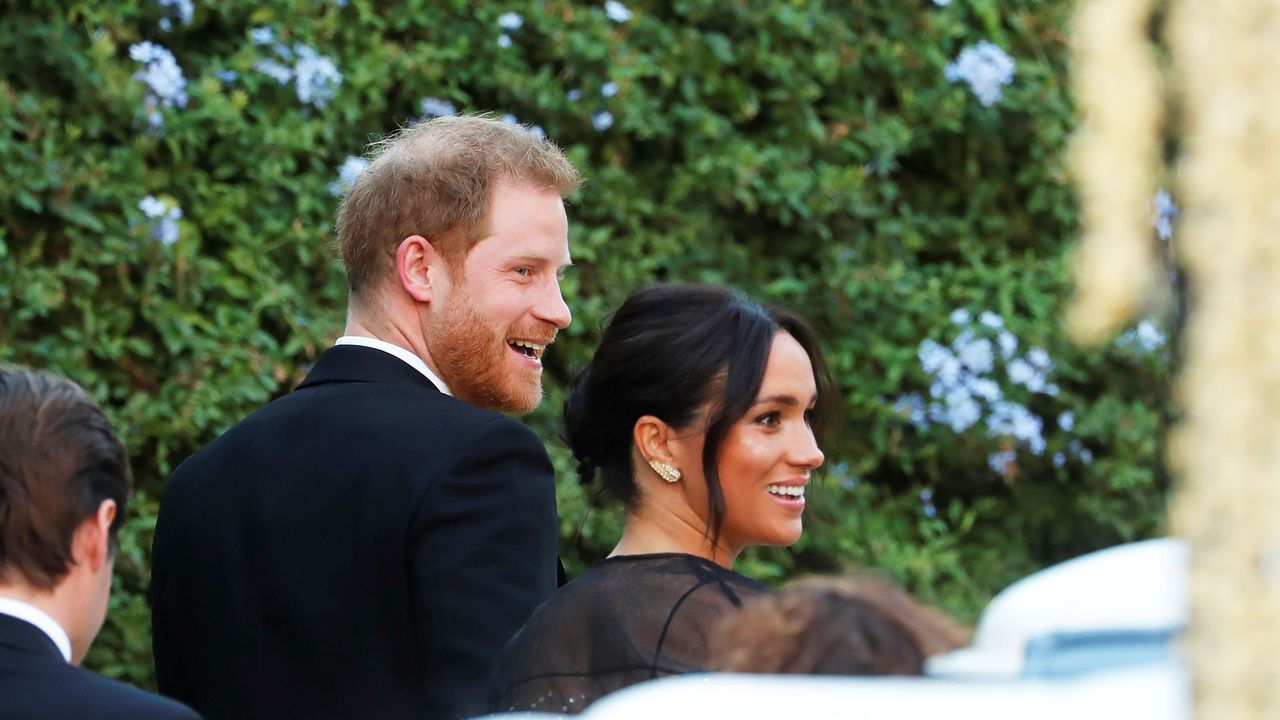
(834, 627)
(59, 459)
(667, 352)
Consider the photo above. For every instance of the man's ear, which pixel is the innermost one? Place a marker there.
(416, 258)
(653, 437)
(92, 543)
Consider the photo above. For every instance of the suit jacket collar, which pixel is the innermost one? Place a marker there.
(22, 635)
(354, 363)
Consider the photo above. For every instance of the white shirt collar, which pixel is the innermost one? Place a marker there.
(41, 619)
(413, 360)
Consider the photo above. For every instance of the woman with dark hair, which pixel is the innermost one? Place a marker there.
(699, 412)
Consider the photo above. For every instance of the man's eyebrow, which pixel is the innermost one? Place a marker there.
(537, 259)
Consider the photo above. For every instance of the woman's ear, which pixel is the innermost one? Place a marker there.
(652, 438)
(416, 259)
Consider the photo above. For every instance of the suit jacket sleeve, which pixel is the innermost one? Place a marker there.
(482, 558)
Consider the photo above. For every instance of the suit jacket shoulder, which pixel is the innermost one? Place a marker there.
(36, 684)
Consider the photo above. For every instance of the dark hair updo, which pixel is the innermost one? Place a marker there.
(667, 352)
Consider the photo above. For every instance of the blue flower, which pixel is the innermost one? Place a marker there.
(163, 218)
(1146, 337)
(348, 171)
(1014, 419)
(616, 11)
(960, 316)
(538, 132)
(602, 120)
(609, 89)
(262, 36)
(573, 95)
(1059, 459)
(1002, 462)
(504, 41)
(961, 410)
(1025, 374)
(510, 119)
(153, 207)
(437, 107)
(317, 78)
(1008, 344)
(942, 3)
(510, 21)
(938, 360)
(991, 320)
(986, 389)
(1166, 211)
(912, 406)
(929, 510)
(1040, 359)
(166, 87)
(986, 68)
(1078, 449)
(1067, 421)
(976, 355)
(228, 76)
(186, 11)
(282, 73)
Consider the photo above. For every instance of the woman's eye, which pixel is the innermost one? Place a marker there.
(770, 419)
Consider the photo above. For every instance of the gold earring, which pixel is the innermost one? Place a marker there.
(665, 471)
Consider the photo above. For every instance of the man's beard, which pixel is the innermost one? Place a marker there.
(471, 356)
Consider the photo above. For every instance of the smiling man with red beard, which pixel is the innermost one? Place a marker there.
(364, 546)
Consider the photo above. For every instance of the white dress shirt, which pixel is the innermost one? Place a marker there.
(413, 360)
(39, 618)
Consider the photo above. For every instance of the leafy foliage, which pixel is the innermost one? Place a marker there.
(165, 240)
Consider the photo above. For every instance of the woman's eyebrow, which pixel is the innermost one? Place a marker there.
(782, 399)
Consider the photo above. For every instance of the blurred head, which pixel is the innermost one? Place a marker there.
(834, 627)
(64, 487)
(725, 390)
(457, 229)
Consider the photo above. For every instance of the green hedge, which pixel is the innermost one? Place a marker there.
(167, 245)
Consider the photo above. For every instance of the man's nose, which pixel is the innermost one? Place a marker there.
(553, 308)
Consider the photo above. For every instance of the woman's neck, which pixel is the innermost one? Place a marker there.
(646, 533)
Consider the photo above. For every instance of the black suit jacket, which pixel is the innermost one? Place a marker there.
(361, 547)
(36, 683)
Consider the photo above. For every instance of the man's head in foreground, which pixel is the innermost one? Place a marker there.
(64, 487)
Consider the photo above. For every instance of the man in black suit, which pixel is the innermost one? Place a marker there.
(364, 546)
(64, 488)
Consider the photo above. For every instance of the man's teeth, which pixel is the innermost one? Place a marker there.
(528, 348)
(788, 490)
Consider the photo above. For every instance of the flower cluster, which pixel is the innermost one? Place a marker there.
(602, 120)
(985, 67)
(316, 79)
(185, 8)
(616, 11)
(1145, 337)
(166, 87)
(965, 392)
(348, 171)
(163, 217)
(437, 107)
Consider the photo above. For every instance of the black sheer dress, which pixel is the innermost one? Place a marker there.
(627, 619)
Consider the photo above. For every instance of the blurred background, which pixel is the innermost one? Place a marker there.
(895, 171)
